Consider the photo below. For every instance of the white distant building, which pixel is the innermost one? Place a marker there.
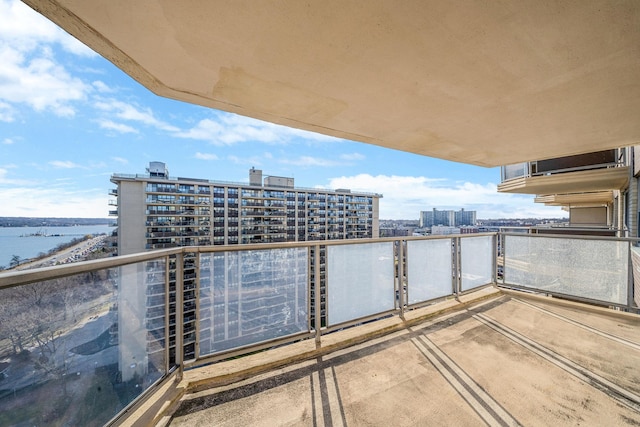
(440, 230)
(447, 217)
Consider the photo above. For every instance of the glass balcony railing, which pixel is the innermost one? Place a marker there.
(82, 344)
(585, 268)
(64, 359)
(596, 160)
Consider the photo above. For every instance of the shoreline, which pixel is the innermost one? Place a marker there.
(28, 244)
(75, 253)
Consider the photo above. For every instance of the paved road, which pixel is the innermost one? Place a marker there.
(72, 254)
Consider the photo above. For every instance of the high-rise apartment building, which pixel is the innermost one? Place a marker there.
(156, 211)
(448, 218)
(463, 217)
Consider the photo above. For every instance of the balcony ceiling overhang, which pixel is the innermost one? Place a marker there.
(485, 83)
(573, 182)
(595, 198)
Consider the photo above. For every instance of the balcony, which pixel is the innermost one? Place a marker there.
(463, 329)
(584, 173)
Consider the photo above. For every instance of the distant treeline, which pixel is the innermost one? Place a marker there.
(9, 221)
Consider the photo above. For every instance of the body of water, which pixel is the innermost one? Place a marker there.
(28, 242)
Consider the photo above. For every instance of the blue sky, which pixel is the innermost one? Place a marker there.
(69, 119)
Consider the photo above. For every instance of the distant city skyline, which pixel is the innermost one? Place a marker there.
(69, 119)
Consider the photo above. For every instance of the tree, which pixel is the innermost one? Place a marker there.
(15, 261)
(12, 322)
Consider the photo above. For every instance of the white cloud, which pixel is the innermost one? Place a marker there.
(252, 161)
(4, 180)
(93, 165)
(65, 164)
(8, 141)
(352, 156)
(120, 160)
(308, 161)
(229, 129)
(405, 196)
(50, 201)
(125, 111)
(25, 29)
(29, 73)
(101, 87)
(7, 113)
(38, 82)
(205, 156)
(118, 127)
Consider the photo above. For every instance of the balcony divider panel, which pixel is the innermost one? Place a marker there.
(476, 261)
(586, 268)
(429, 267)
(360, 281)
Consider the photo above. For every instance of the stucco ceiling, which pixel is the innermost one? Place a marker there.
(480, 82)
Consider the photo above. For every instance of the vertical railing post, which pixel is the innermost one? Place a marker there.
(503, 251)
(400, 270)
(495, 258)
(196, 350)
(630, 283)
(459, 272)
(316, 291)
(180, 311)
(455, 253)
(167, 303)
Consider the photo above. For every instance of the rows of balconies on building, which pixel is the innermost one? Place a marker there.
(176, 200)
(177, 233)
(155, 187)
(177, 222)
(171, 210)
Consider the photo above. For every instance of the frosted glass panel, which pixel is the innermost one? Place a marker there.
(360, 280)
(635, 259)
(428, 269)
(251, 296)
(477, 261)
(596, 269)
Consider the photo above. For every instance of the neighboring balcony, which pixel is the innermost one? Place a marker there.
(441, 330)
(584, 173)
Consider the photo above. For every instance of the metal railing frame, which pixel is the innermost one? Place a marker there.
(17, 278)
(629, 306)
(529, 167)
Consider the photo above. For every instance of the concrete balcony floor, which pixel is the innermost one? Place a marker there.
(495, 357)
